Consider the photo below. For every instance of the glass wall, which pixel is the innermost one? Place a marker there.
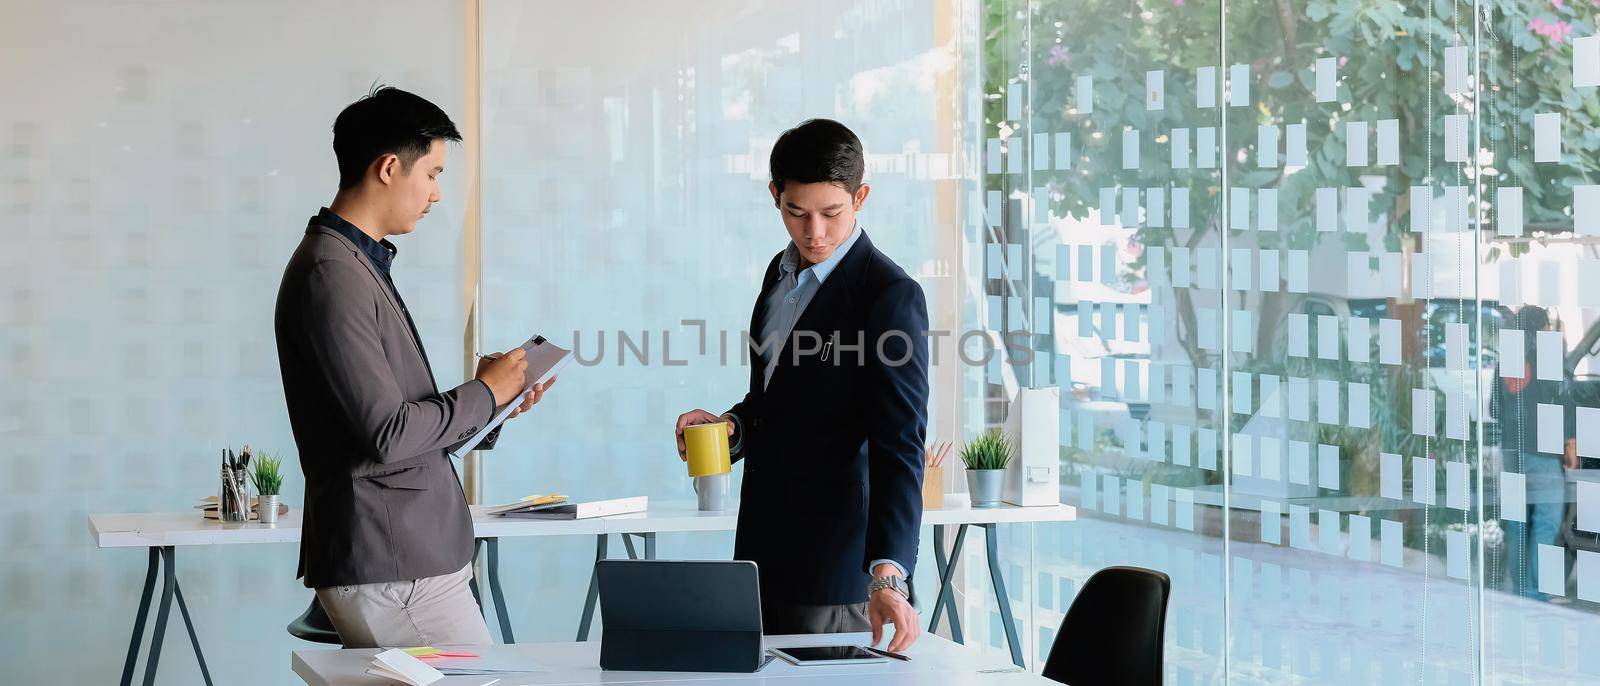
(160, 163)
(1339, 255)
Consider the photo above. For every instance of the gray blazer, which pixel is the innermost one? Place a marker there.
(383, 501)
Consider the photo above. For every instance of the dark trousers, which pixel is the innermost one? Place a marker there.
(781, 618)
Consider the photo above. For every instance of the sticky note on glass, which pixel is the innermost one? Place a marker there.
(1457, 553)
(1586, 61)
(1455, 138)
(1299, 398)
(1180, 208)
(1422, 488)
(1063, 152)
(1205, 150)
(1391, 535)
(1267, 145)
(1111, 488)
(1588, 574)
(1085, 95)
(1551, 431)
(1328, 401)
(1294, 147)
(1421, 208)
(1130, 205)
(1552, 569)
(1299, 335)
(1206, 267)
(1206, 449)
(1455, 485)
(1588, 419)
(1548, 360)
(1298, 270)
(1271, 522)
(1547, 137)
(1360, 399)
(992, 152)
(1508, 210)
(1239, 85)
(1328, 466)
(1328, 337)
(1088, 490)
(1299, 526)
(1331, 542)
(1589, 506)
(1513, 497)
(1239, 209)
(1360, 538)
(1388, 142)
(1327, 209)
(1267, 209)
(1206, 331)
(1180, 255)
(1206, 379)
(1242, 385)
(1015, 99)
(1205, 87)
(1327, 69)
(1130, 148)
(1422, 416)
(1510, 349)
(1269, 270)
(1389, 477)
(1389, 341)
(1299, 463)
(1455, 69)
(1586, 209)
(1155, 97)
(1180, 148)
(1355, 144)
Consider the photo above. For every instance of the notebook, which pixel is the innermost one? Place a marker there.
(532, 502)
(399, 665)
(585, 510)
(544, 360)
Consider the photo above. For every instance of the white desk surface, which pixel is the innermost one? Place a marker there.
(934, 660)
(189, 528)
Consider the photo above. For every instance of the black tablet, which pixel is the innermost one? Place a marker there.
(828, 655)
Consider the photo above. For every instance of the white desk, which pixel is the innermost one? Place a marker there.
(934, 661)
(162, 532)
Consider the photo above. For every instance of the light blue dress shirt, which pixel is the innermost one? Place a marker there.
(785, 303)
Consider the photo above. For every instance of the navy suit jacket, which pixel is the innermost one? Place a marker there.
(833, 445)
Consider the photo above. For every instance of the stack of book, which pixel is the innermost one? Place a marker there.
(560, 507)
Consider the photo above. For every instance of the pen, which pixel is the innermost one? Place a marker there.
(886, 653)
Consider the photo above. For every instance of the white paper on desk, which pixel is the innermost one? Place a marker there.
(545, 360)
(487, 666)
(398, 665)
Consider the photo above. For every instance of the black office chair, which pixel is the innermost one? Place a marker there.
(313, 625)
(1112, 634)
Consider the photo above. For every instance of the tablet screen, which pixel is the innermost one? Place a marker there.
(829, 654)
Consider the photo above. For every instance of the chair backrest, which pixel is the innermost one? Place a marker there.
(1113, 632)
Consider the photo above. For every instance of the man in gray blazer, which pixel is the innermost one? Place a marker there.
(387, 537)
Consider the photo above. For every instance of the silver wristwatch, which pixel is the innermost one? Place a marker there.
(894, 581)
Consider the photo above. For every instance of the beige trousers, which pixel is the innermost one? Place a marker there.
(434, 611)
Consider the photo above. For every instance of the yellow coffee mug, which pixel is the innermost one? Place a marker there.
(706, 445)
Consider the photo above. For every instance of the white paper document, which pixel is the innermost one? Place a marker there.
(545, 360)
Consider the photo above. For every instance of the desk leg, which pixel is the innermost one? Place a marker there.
(594, 589)
(500, 609)
(472, 581)
(144, 613)
(992, 534)
(649, 538)
(169, 590)
(947, 571)
(627, 542)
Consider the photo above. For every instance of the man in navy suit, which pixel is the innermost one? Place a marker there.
(832, 430)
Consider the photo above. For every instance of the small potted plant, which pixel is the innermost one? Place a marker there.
(986, 458)
(268, 478)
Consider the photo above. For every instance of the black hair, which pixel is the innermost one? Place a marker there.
(818, 151)
(387, 121)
